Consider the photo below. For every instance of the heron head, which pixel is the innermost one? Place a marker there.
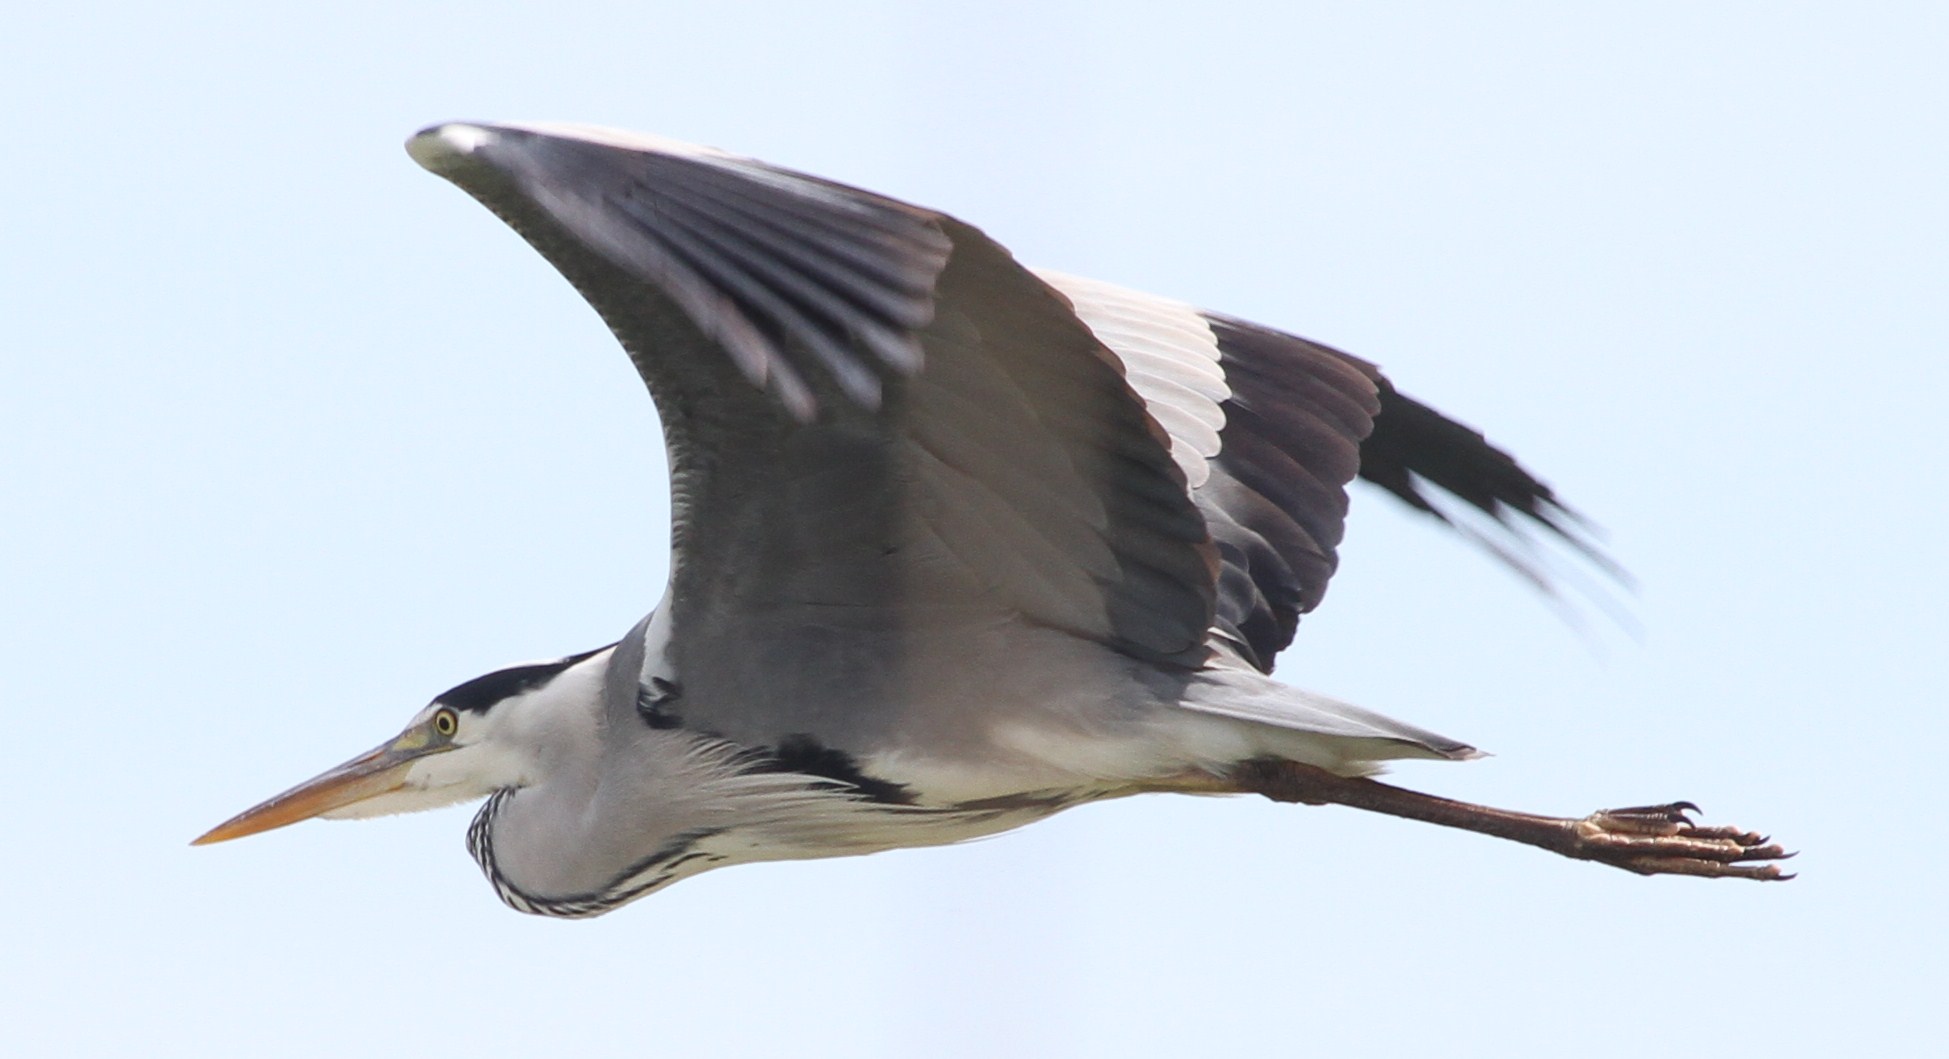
(488, 734)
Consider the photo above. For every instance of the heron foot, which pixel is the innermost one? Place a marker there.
(1663, 840)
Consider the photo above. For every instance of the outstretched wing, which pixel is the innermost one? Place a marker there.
(1270, 428)
(887, 439)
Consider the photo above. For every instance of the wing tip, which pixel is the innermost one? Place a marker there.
(449, 145)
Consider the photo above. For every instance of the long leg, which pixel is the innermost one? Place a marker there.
(1649, 840)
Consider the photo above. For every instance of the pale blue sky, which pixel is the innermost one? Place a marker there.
(297, 436)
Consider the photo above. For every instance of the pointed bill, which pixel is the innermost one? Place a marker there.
(379, 771)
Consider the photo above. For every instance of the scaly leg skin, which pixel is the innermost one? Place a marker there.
(1647, 839)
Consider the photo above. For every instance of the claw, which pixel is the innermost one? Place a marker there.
(1706, 869)
(1663, 840)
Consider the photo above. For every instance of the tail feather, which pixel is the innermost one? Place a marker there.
(1244, 694)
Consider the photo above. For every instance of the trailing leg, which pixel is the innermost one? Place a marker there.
(1649, 840)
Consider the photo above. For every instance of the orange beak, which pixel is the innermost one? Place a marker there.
(376, 772)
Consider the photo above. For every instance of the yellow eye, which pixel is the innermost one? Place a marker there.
(446, 722)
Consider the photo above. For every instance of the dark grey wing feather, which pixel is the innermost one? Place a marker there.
(1413, 447)
(1294, 424)
(797, 280)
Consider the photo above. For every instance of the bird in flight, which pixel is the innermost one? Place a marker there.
(956, 544)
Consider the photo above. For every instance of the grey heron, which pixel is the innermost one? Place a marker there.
(956, 545)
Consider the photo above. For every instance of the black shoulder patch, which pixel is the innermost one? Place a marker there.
(482, 692)
(657, 703)
(804, 754)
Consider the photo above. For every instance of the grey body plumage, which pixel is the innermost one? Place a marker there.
(956, 545)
